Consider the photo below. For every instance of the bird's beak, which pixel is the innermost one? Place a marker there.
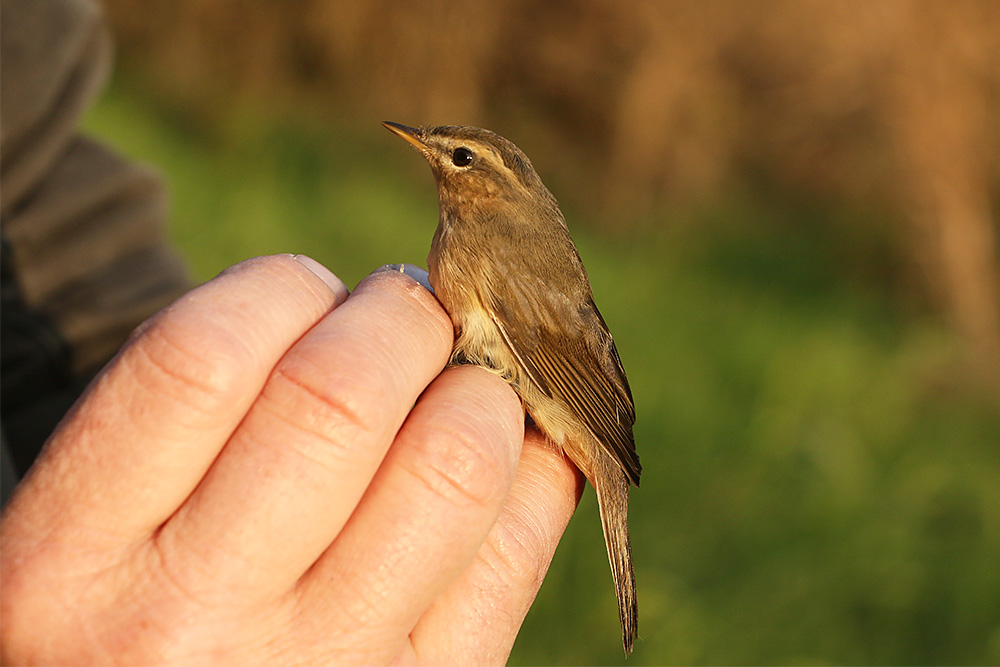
(411, 134)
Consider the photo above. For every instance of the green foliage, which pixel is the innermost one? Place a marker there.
(820, 485)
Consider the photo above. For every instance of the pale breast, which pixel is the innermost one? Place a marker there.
(463, 283)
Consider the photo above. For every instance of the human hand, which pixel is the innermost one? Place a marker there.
(271, 471)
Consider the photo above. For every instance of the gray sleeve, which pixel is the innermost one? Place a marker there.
(84, 227)
(84, 252)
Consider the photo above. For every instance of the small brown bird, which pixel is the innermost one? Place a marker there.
(503, 265)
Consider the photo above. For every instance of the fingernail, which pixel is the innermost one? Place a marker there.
(335, 284)
(412, 270)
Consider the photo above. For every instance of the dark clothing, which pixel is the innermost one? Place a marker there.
(85, 258)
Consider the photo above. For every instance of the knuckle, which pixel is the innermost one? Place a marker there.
(336, 411)
(515, 551)
(459, 464)
(200, 368)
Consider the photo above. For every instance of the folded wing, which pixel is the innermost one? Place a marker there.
(577, 365)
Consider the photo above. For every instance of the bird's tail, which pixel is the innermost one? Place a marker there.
(612, 497)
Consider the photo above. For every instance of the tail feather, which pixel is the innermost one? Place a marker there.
(612, 497)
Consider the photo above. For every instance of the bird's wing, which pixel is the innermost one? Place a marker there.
(577, 365)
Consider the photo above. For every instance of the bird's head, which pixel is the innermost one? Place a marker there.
(471, 164)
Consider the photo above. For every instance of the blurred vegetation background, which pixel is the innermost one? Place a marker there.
(789, 214)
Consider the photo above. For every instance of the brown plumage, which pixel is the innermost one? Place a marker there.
(503, 265)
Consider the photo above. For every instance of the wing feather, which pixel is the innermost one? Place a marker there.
(579, 367)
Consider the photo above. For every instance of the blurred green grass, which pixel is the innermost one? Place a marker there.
(820, 484)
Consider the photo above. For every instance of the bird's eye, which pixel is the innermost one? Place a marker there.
(462, 157)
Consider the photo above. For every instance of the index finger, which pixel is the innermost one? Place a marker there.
(144, 433)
